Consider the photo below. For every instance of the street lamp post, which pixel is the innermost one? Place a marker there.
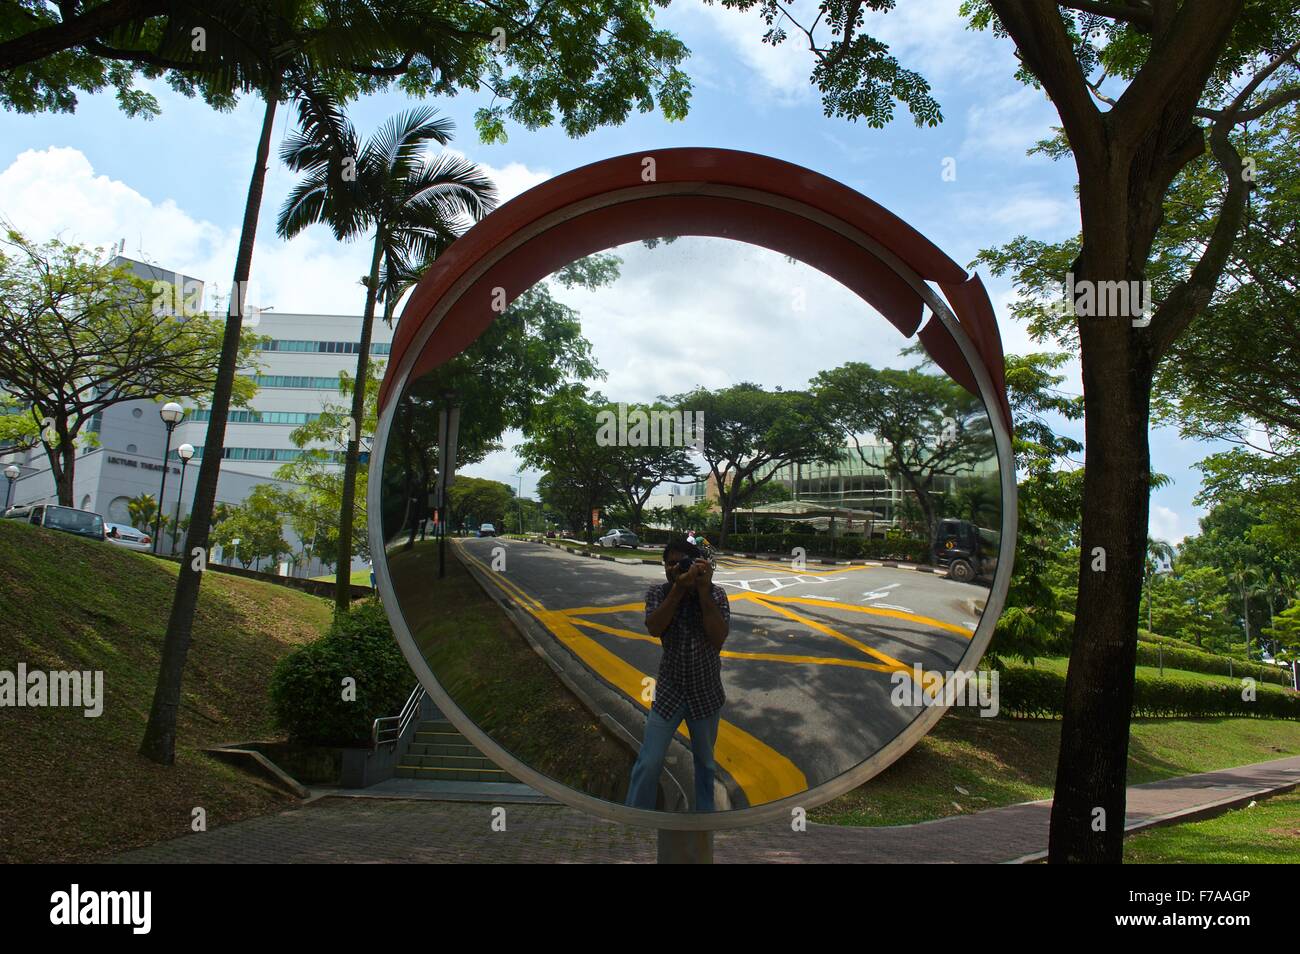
(171, 414)
(519, 501)
(12, 472)
(184, 452)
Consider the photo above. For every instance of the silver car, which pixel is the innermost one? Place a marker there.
(127, 536)
(620, 538)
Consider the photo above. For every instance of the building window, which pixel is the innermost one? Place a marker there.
(296, 381)
(258, 417)
(272, 454)
(322, 347)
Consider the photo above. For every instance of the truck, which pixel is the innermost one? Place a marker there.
(967, 552)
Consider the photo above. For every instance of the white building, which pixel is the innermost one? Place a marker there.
(298, 376)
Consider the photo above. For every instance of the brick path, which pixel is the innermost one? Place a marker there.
(333, 830)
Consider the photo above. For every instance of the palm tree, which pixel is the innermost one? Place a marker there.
(1245, 578)
(142, 510)
(278, 49)
(1158, 552)
(415, 205)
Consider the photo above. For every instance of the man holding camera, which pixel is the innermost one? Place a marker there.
(691, 616)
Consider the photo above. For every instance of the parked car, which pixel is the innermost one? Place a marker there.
(83, 523)
(551, 534)
(619, 538)
(487, 530)
(125, 535)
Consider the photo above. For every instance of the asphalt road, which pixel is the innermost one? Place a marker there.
(807, 665)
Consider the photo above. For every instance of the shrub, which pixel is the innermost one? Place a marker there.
(1196, 661)
(307, 685)
(1180, 654)
(1039, 693)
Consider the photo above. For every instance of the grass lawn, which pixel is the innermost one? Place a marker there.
(1004, 761)
(75, 787)
(1269, 833)
(498, 680)
(1060, 664)
(358, 578)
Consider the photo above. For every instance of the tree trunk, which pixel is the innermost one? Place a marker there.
(1089, 805)
(159, 743)
(1245, 615)
(343, 572)
(67, 468)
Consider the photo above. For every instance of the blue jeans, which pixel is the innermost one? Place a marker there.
(659, 731)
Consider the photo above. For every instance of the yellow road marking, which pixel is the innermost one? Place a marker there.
(870, 610)
(762, 773)
(738, 654)
(836, 634)
(596, 610)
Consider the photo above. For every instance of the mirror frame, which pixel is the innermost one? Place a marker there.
(683, 191)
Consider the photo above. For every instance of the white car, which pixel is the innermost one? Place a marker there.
(620, 538)
(128, 536)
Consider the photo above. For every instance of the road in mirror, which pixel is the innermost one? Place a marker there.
(834, 496)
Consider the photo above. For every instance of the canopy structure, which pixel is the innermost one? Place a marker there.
(823, 518)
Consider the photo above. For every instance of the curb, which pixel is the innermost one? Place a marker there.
(236, 753)
(1182, 816)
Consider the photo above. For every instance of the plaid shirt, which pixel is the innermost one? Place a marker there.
(690, 668)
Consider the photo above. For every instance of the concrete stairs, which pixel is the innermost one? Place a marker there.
(438, 752)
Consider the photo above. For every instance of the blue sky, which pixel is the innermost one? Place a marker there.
(174, 187)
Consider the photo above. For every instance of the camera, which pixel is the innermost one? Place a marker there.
(684, 564)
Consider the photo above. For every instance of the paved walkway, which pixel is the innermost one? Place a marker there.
(333, 830)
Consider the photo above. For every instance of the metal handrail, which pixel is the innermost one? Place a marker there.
(388, 730)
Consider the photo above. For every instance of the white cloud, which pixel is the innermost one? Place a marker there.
(56, 192)
(1165, 524)
(512, 179)
(1009, 125)
(783, 70)
(931, 37)
(1030, 212)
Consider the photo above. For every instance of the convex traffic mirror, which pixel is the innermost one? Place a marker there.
(692, 499)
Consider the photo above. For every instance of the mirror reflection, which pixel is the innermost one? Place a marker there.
(690, 526)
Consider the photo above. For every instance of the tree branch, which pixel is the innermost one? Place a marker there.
(1036, 27)
(38, 44)
(1139, 15)
(1173, 77)
(1238, 114)
(1190, 296)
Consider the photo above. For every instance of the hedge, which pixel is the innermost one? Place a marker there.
(1028, 693)
(307, 685)
(1196, 661)
(1180, 654)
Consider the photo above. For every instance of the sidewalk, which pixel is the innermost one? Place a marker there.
(342, 830)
